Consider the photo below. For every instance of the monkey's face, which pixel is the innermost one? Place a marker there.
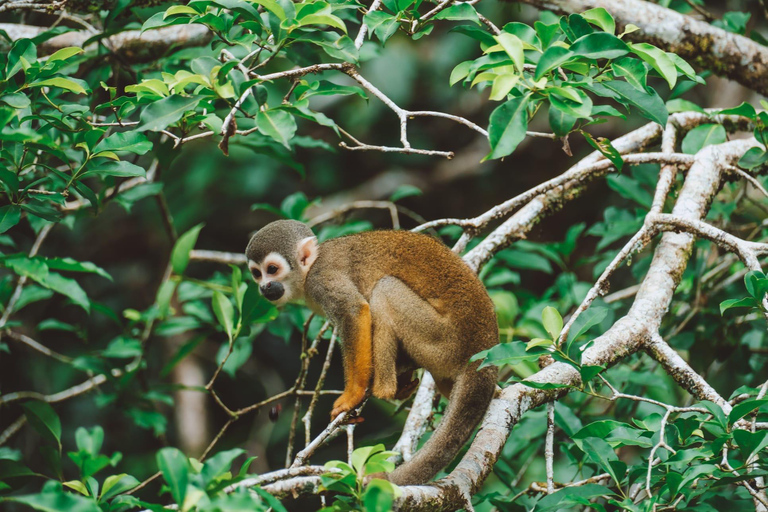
(281, 276)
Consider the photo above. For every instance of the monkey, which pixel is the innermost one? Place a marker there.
(400, 301)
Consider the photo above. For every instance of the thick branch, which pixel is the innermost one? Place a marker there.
(131, 45)
(638, 329)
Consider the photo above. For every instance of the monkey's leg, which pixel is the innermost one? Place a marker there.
(385, 382)
(355, 331)
(445, 386)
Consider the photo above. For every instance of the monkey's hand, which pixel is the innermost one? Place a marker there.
(348, 400)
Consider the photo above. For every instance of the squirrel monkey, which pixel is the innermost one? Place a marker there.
(401, 301)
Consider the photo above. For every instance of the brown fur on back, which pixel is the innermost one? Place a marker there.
(425, 265)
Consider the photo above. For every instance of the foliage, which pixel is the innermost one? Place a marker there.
(355, 485)
(83, 129)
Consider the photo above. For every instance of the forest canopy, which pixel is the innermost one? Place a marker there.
(600, 165)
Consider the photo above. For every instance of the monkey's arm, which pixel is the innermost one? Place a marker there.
(343, 304)
(355, 332)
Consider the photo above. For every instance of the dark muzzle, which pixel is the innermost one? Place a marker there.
(272, 290)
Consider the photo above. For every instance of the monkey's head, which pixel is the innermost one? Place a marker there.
(279, 256)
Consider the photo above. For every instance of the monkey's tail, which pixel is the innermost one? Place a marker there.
(472, 392)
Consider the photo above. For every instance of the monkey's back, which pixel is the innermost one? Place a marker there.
(426, 266)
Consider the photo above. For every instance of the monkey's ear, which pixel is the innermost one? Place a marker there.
(307, 252)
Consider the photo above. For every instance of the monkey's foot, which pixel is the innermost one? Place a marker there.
(346, 402)
(406, 390)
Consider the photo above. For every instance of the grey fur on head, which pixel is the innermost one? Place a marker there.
(281, 236)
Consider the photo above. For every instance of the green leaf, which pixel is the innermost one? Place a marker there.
(122, 348)
(175, 469)
(65, 53)
(600, 45)
(16, 100)
(22, 54)
(681, 105)
(56, 501)
(278, 124)
(539, 385)
(601, 429)
(630, 189)
(745, 109)
(507, 127)
(77, 486)
(90, 440)
(605, 147)
(179, 9)
(753, 158)
(538, 342)
(648, 102)
(502, 84)
(294, 205)
(165, 112)
(717, 413)
(132, 142)
(120, 169)
(62, 83)
(323, 19)
(13, 469)
(116, 484)
(42, 210)
(224, 312)
(572, 498)
(362, 454)
(458, 12)
(10, 181)
(750, 442)
(273, 7)
(702, 136)
(71, 265)
(658, 59)
(404, 191)
(506, 307)
(600, 17)
(746, 302)
(182, 248)
(44, 419)
(378, 495)
(560, 121)
(514, 48)
(550, 59)
(219, 464)
(257, 309)
(571, 100)
(756, 284)
(600, 452)
(590, 372)
(327, 88)
(743, 408)
(552, 321)
(588, 319)
(273, 502)
(507, 353)
(51, 324)
(68, 287)
(10, 215)
(383, 24)
(633, 70)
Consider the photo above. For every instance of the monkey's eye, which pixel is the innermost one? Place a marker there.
(256, 273)
(271, 269)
